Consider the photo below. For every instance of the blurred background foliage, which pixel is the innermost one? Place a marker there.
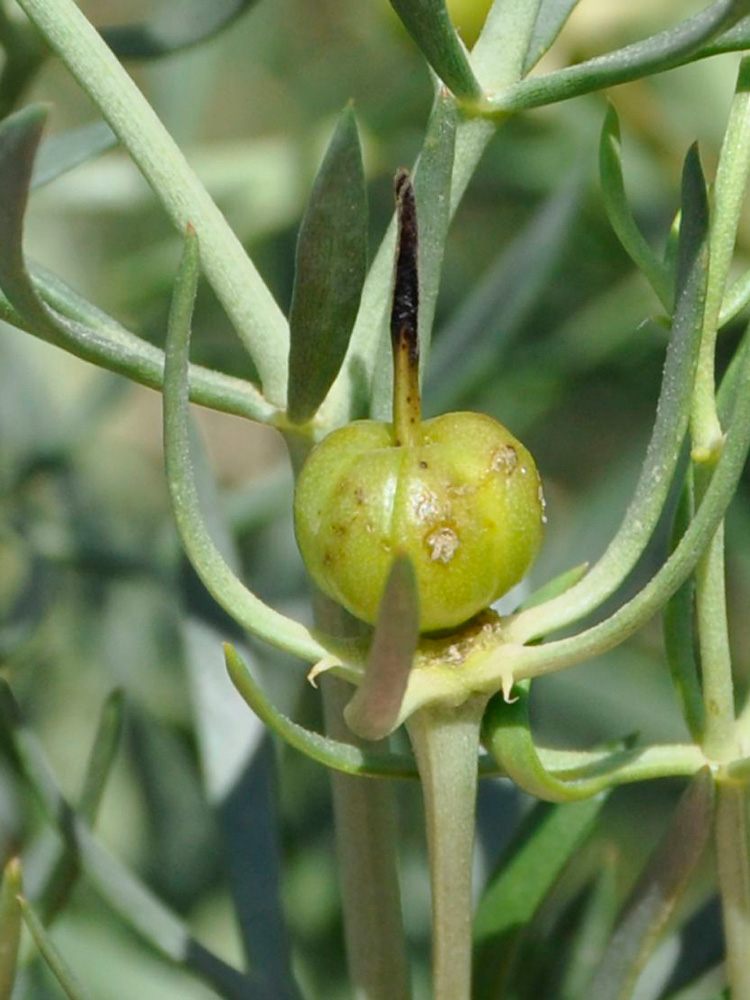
(94, 593)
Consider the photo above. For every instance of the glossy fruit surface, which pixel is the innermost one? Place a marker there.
(465, 503)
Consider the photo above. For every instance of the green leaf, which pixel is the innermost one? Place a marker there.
(174, 28)
(547, 840)
(551, 19)
(669, 429)
(345, 757)
(665, 50)
(496, 310)
(630, 617)
(135, 903)
(506, 732)
(211, 566)
(593, 931)
(64, 871)
(61, 153)
(679, 626)
(657, 892)
(330, 271)
(374, 710)
(51, 955)
(429, 24)
(621, 217)
(10, 926)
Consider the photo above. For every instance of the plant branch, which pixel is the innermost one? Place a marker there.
(733, 862)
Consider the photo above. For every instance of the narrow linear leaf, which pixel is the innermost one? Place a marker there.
(657, 891)
(495, 311)
(64, 868)
(330, 270)
(551, 19)
(737, 296)
(593, 931)
(213, 569)
(238, 769)
(51, 955)
(339, 756)
(656, 54)
(620, 215)
(630, 617)
(174, 28)
(669, 429)
(430, 26)
(506, 732)
(679, 626)
(61, 153)
(543, 846)
(374, 710)
(10, 926)
(135, 903)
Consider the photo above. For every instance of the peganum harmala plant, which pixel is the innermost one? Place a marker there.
(455, 678)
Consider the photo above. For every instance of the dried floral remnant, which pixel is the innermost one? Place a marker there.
(442, 544)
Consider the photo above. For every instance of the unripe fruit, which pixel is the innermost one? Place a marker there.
(459, 495)
(465, 505)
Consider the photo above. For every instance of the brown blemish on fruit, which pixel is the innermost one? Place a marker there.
(328, 557)
(423, 464)
(504, 459)
(442, 544)
(359, 495)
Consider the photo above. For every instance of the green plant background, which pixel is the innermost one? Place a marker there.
(94, 592)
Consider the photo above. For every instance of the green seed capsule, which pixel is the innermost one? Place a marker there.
(458, 494)
(465, 505)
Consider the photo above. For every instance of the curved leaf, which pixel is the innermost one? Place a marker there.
(657, 892)
(551, 19)
(66, 150)
(213, 569)
(671, 423)
(330, 270)
(429, 24)
(620, 215)
(344, 757)
(50, 953)
(174, 28)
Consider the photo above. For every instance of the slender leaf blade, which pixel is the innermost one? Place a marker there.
(211, 566)
(670, 425)
(174, 28)
(544, 845)
(130, 898)
(330, 271)
(551, 19)
(61, 153)
(51, 954)
(345, 757)
(657, 891)
(620, 214)
(10, 926)
(429, 24)
(374, 710)
(593, 932)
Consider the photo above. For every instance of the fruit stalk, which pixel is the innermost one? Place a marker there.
(407, 404)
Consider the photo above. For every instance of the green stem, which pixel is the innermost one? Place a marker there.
(367, 848)
(446, 743)
(248, 302)
(734, 882)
